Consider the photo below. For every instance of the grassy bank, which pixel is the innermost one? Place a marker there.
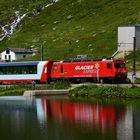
(115, 92)
(129, 61)
(18, 90)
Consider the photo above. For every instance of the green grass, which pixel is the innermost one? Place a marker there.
(137, 81)
(111, 92)
(18, 90)
(129, 61)
(70, 27)
(12, 91)
(9, 7)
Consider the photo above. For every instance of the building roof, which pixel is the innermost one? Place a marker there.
(21, 50)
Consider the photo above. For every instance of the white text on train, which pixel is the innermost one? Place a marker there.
(90, 67)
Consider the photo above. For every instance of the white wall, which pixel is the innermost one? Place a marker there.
(21, 56)
(13, 56)
(125, 38)
(3, 54)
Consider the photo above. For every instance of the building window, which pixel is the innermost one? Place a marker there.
(5, 57)
(7, 51)
(9, 57)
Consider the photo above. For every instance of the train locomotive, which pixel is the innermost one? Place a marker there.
(72, 70)
(93, 70)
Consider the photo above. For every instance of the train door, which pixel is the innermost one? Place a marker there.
(46, 73)
(61, 71)
(48, 70)
(109, 69)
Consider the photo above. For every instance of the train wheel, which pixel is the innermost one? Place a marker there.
(83, 80)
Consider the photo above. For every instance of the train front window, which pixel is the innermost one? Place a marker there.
(119, 65)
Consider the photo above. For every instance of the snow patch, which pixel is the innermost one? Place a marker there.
(8, 30)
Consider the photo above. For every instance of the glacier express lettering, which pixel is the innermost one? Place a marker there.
(90, 67)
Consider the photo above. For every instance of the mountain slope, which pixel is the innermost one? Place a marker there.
(9, 7)
(72, 27)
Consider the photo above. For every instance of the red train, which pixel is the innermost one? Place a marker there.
(73, 70)
(98, 70)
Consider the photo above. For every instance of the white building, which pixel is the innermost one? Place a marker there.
(126, 36)
(13, 54)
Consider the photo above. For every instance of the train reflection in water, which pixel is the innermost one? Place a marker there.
(103, 118)
(62, 118)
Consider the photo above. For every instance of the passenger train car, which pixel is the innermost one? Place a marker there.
(25, 72)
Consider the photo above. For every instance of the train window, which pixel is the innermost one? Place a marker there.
(123, 65)
(55, 67)
(9, 70)
(109, 66)
(33, 70)
(119, 65)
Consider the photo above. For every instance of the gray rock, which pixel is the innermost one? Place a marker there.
(69, 17)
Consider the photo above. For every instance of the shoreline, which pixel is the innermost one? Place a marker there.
(75, 90)
(104, 91)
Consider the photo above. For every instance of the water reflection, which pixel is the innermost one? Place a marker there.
(103, 118)
(125, 126)
(60, 119)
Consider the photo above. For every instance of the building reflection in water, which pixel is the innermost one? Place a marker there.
(125, 127)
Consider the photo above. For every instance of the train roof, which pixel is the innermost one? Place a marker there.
(91, 60)
(80, 60)
(31, 63)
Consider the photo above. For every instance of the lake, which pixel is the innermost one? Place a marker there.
(61, 118)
